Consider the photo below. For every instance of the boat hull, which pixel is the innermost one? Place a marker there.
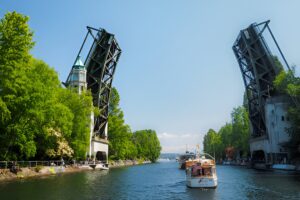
(202, 182)
(181, 165)
(99, 166)
(285, 167)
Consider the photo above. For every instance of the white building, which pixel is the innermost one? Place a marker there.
(272, 147)
(98, 146)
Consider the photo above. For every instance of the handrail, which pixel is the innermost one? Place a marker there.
(207, 155)
(31, 164)
(10, 164)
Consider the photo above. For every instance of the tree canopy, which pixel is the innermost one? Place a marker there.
(39, 118)
(234, 136)
(123, 144)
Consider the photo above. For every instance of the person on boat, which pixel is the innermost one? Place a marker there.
(207, 172)
(196, 169)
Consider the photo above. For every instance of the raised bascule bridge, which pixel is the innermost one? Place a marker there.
(267, 107)
(100, 52)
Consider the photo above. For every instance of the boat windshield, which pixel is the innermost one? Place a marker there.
(186, 157)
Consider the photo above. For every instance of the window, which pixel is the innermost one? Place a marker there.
(282, 118)
(82, 77)
(74, 77)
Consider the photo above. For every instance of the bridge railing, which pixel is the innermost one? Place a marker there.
(29, 164)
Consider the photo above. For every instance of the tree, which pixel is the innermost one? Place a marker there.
(147, 144)
(38, 118)
(233, 135)
(81, 108)
(212, 144)
(123, 144)
(120, 136)
(226, 137)
(240, 130)
(15, 44)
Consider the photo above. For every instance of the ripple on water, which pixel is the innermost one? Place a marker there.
(154, 181)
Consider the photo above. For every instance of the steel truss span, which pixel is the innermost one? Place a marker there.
(100, 63)
(259, 70)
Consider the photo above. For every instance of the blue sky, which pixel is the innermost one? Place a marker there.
(177, 73)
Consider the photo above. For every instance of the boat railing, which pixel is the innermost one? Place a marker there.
(207, 154)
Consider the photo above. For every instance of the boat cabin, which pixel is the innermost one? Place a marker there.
(203, 170)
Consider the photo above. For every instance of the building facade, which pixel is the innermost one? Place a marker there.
(272, 148)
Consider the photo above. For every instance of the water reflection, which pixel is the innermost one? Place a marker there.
(154, 181)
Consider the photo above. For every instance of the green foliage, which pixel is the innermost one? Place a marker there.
(16, 41)
(120, 136)
(235, 134)
(123, 144)
(240, 130)
(39, 119)
(17, 135)
(36, 115)
(147, 144)
(213, 144)
(226, 135)
(38, 168)
(286, 80)
(80, 107)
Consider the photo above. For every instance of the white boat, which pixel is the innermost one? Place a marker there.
(184, 157)
(99, 165)
(202, 174)
(163, 160)
(286, 167)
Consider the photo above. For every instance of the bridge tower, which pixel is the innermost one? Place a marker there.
(259, 68)
(77, 77)
(101, 54)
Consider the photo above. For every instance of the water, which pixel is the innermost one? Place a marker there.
(154, 181)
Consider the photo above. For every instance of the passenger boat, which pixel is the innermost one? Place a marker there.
(202, 174)
(185, 157)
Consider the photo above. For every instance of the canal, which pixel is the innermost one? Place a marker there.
(154, 181)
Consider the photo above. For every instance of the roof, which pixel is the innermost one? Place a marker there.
(78, 63)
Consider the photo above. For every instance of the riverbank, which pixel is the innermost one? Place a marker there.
(26, 172)
(263, 166)
(162, 180)
(125, 163)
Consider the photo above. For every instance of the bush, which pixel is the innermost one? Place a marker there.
(38, 168)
